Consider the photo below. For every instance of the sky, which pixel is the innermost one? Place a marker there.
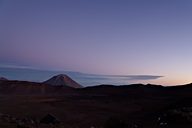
(113, 37)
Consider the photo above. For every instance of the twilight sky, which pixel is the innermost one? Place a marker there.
(115, 37)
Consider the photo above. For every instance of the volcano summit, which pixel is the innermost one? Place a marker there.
(62, 80)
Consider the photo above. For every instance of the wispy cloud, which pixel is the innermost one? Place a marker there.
(143, 77)
(130, 77)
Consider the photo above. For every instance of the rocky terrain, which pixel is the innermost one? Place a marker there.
(38, 105)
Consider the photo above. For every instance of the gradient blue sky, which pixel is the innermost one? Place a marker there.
(118, 37)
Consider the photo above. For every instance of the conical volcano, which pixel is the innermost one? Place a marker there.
(62, 80)
(3, 78)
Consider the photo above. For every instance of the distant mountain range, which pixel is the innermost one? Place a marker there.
(56, 85)
(62, 83)
(84, 79)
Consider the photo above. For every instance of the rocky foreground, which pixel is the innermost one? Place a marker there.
(38, 105)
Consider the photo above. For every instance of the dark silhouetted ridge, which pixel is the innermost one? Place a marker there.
(31, 88)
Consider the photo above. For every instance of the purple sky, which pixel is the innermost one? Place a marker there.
(119, 37)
